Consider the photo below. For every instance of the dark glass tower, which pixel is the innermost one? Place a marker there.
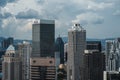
(59, 47)
(94, 65)
(94, 46)
(6, 42)
(43, 38)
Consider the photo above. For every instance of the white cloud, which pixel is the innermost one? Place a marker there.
(93, 4)
(88, 18)
(117, 13)
(20, 29)
(63, 11)
(99, 6)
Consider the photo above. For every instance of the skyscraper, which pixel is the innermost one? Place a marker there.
(113, 55)
(11, 65)
(76, 47)
(43, 33)
(6, 42)
(94, 46)
(107, 53)
(42, 61)
(24, 51)
(59, 47)
(94, 65)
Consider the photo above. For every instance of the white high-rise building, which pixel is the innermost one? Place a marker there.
(11, 65)
(76, 47)
(24, 51)
(113, 55)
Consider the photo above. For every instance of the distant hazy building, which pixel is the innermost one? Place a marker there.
(94, 65)
(11, 65)
(6, 42)
(43, 33)
(42, 61)
(24, 51)
(76, 47)
(94, 46)
(113, 55)
(65, 52)
(2, 52)
(59, 47)
(111, 75)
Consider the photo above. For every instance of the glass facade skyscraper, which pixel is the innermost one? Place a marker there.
(43, 38)
(59, 47)
(42, 61)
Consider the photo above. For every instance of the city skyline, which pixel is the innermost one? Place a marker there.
(100, 18)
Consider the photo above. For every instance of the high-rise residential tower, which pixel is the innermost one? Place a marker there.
(11, 65)
(43, 33)
(76, 47)
(24, 50)
(113, 55)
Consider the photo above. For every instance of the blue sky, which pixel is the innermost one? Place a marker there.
(100, 18)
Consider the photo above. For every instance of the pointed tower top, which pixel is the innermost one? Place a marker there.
(11, 47)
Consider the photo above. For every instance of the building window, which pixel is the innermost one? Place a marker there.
(50, 62)
(34, 61)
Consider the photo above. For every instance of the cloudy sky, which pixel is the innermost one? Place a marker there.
(100, 18)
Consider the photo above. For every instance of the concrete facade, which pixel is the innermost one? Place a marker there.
(42, 69)
(111, 75)
(24, 50)
(113, 55)
(76, 47)
(11, 65)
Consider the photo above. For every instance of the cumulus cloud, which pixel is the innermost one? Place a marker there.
(98, 6)
(117, 13)
(13, 27)
(62, 11)
(5, 15)
(4, 2)
(88, 18)
(29, 14)
(40, 1)
(93, 4)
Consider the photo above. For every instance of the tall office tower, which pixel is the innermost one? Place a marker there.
(11, 65)
(42, 61)
(6, 42)
(107, 53)
(94, 65)
(59, 47)
(113, 55)
(43, 33)
(94, 46)
(24, 51)
(76, 47)
(111, 75)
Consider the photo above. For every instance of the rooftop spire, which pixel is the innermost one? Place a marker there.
(77, 27)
